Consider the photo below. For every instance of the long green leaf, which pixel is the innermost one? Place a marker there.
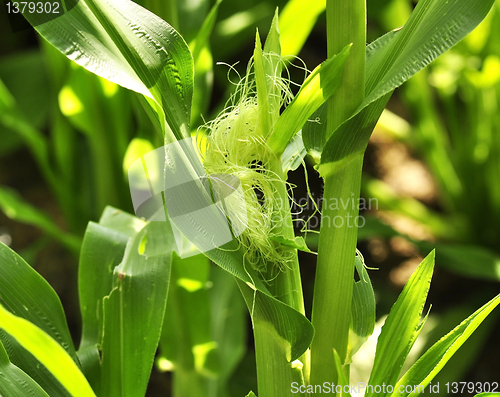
(38, 302)
(49, 352)
(128, 45)
(281, 333)
(433, 28)
(134, 310)
(350, 139)
(342, 378)
(229, 325)
(317, 88)
(102, 250)
(15, 382)
(427, 366)
(23, 359)
(401, 327)
(362, 309)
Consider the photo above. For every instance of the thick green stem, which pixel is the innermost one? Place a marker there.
(331, 315)
(274, 373)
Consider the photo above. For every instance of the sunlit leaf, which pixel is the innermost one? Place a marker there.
(427, 366)
(401, 327)
(49, 352)
(130, 46)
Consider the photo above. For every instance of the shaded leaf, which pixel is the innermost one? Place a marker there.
(38, 303)
(15, 382)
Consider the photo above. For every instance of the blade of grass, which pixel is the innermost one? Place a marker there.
(427, 366)
(401, 327)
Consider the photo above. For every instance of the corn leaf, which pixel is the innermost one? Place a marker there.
(262, 92)
(133, 311)
(38, 303)
(14, 381)
(341, 372)
(427, 366)
(23, 359)
(433, 28)
(102, 250)
(130, 46)
(294, 154)
(401, 327)
(48, 351)
(362, 308)
(317, 88)
(229, 325)
(273, 69)
(350, 139)
(281, 333)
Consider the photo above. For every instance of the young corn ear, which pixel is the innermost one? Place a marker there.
(236, 145)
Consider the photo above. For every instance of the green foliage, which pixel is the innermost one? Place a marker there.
(402, 326)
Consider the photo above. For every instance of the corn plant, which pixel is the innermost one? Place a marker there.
(126, 262)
